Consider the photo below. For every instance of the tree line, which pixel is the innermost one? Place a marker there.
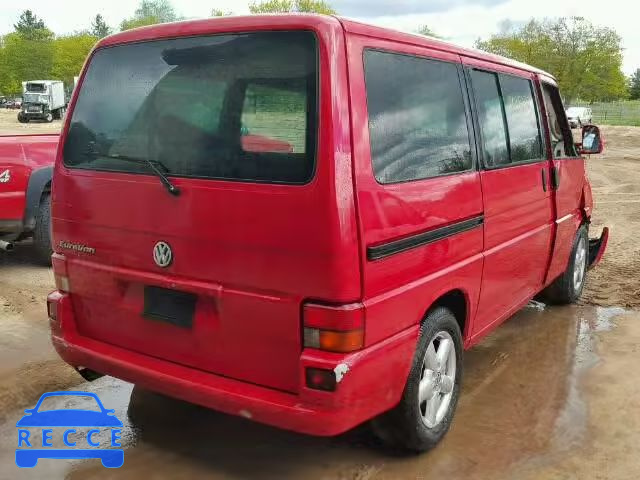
(585, 59)
(32, 51)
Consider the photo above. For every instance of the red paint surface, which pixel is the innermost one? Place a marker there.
(255, 253)
(22, 155)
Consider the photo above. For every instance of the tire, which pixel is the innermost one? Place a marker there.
(42, 232)
(22, 118)
(567, 288)
(408, 426)
(49, 117)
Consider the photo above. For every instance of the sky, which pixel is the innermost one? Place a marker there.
(460, 21)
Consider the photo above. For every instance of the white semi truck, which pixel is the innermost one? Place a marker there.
(42, 100)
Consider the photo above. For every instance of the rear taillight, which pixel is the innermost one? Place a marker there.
(59, 264)
(332, 341)
(62, 283)
(321, 379)
(334, 328)
(55, 311)
(52, 309)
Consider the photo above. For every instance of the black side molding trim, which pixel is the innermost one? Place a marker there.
(396, 246)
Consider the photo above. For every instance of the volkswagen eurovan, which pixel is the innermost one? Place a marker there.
(305, 220)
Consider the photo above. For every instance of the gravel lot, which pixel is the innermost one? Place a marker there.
(550, 395)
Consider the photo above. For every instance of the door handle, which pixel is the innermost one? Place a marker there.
(544, 180)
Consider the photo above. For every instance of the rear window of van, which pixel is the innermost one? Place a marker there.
(236, 107)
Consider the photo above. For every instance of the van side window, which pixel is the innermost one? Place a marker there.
(508, 118)
(417, 119)
(522, 119)
(562, 144)
(491, 117)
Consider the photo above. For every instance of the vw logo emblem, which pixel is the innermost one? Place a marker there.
(162, 254)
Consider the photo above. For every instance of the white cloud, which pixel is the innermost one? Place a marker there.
(65, 16)
(463, 25)
(376, 8)
(461, 21)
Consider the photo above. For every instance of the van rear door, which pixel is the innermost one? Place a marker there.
(215, 277)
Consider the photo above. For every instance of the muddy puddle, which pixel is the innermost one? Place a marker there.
(522, 406)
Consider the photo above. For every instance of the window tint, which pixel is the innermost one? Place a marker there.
(203, 98)
(491, 118)
(562, 144)
(522, 119)
(274, 117)
(239, 106)
(417, 121)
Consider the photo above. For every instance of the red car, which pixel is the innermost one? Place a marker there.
(429, 192)
(26, 168)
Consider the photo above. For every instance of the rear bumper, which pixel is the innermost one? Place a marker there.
(373, 383)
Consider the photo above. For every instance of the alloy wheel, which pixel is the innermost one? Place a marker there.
(580, 264)
(438, 379)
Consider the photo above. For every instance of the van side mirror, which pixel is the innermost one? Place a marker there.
(592, 141)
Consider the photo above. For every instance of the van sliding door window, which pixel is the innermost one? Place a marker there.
(492, 118)
(417, 121)
(508, 119)
(522, 119)
(233, 107)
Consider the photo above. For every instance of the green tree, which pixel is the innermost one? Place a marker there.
(69, 54)
(4, 71)
(99, 27)
(31, 27)
(24, 59)
(150, 12)
(427, 32)
(585, 59)
(287, 6)
(26, 54)
(634, 85)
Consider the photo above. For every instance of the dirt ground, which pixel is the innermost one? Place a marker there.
(550, 395)
(615, 178)
(9, 124)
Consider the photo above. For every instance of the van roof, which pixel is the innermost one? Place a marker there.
(301, 20)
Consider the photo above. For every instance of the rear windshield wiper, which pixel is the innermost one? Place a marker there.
(152, 164)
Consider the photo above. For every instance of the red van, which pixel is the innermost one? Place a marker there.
(304, 220)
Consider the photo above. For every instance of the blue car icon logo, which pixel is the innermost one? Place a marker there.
(68, 424)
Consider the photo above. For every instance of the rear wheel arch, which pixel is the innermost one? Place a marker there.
(456, 301)
(39, 186)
